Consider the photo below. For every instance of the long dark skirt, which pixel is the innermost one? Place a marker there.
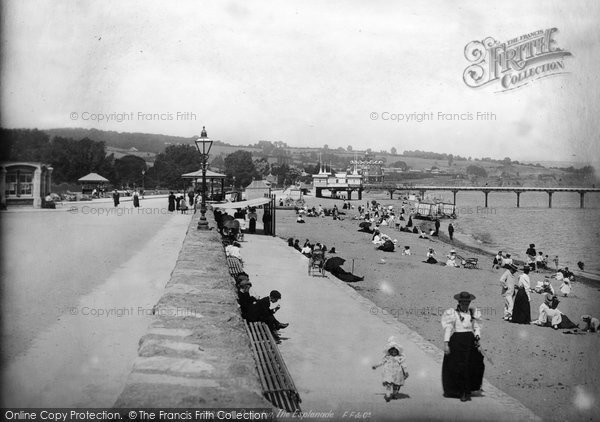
(462, 369)
(521, 309)
(252, 226)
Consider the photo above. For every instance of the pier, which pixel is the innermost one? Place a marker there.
(486, 190)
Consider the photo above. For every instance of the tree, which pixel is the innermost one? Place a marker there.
(262, 167)
(400, 164)
(128, 170)
(450, 160)
(175, 161)
(394, 151)
(239, 164)
(349, 148)
(476, 171)
(73, 159)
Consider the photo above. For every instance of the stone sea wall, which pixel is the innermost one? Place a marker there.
(196, 353)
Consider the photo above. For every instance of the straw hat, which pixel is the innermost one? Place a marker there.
(464, 296)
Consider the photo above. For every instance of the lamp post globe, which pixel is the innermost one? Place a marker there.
(203, 144)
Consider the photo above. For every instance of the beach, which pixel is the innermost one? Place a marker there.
(551, 372)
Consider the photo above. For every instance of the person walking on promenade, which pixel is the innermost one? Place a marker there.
(394, 369)
(508, 282)
(115, 196)
(252, 217)
(437, 227)
(463, 367)
(136, 199)
(183, 207)
(267, 222)
(451, 231)
(521, 308)
(171, 202)
(191, 198)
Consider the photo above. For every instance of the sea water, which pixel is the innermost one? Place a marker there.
(565, 230)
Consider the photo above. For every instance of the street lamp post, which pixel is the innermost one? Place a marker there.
(143, 182)
(203, 143)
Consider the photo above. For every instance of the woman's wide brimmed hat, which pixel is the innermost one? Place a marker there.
(464, 296)
(513, 267)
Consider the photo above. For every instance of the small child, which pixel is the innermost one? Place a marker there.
(406, 250)
(565, 287)
(556, 262)
(394, 369)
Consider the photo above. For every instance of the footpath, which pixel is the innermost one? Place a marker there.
(335, 336)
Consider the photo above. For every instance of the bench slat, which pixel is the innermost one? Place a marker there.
(276, 381)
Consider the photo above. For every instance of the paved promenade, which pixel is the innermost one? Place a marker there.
(336, 335)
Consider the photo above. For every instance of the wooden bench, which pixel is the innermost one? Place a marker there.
(235, 266)
(276, 382)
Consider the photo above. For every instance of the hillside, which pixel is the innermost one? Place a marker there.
(143, 142)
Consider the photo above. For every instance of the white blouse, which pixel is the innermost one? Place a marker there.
(451, 322)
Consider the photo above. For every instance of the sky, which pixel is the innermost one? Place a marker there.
(308, 73)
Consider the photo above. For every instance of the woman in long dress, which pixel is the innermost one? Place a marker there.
(463, 367)
(171, 202)
(521, 309)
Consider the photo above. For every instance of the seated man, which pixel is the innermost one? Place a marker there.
(261, 311)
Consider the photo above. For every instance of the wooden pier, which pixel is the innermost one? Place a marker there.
(486, 190)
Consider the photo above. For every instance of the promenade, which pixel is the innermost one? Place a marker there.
(336, 335)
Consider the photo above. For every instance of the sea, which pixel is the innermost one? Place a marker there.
(565, 230)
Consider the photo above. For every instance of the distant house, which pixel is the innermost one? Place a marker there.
(272, 179)
(24, 183)
(258, 189)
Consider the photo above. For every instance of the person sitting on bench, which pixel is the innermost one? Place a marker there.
(245, 300)
(261, 311)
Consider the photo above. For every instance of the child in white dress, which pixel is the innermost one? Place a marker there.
(394, 369)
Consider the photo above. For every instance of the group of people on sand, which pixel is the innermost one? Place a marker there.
(517, 290)
(318, 252)
(319, 212)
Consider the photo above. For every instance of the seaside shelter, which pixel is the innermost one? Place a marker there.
(92, 181)
(24, 183)
(215, 183)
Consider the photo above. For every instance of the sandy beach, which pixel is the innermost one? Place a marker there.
(551, 372)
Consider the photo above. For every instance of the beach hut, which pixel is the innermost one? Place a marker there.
(92, 181)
